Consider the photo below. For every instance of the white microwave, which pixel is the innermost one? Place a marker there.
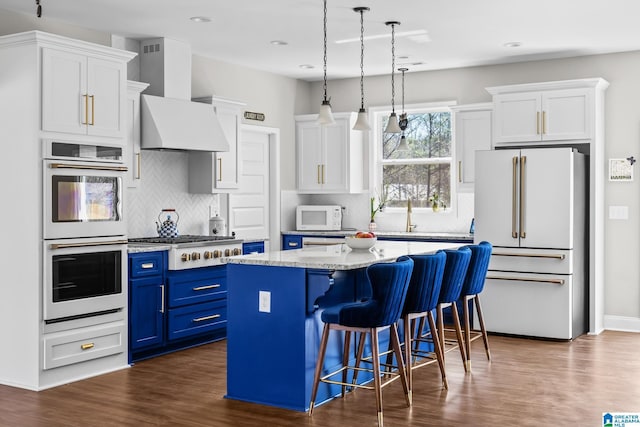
(318, 217)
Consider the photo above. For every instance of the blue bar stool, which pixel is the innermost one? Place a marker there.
(421, 301)
(389, 283)
(455, 269)
(473, 285)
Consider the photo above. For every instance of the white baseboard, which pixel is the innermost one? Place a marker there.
(621, 323)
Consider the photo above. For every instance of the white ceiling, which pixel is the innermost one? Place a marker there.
(461, 32)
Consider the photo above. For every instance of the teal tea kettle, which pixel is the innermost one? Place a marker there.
(168, 227)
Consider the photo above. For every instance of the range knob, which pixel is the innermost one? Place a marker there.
(185, 257)
(237, 251)
(227, 252)
(208, 254)
(217, 253)
(195, 256)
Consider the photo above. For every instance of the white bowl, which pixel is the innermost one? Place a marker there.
(360, 242)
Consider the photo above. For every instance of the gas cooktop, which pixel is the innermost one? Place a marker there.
(187, 238)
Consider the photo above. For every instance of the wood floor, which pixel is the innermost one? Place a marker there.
(529, 382)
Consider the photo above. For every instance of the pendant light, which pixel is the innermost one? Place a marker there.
(325, 117)
(362, 123)
(403, 118)
(392, 123)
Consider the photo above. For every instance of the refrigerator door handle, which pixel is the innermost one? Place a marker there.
(528, 279)
(552, 256)
(514, 195)
(523, 162)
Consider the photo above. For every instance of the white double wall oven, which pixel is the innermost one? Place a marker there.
(84, 229)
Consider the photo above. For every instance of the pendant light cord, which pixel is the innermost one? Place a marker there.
(362, 59)
(393, 68)
(325, 51)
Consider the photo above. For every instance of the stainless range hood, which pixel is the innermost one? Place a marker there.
(169, 119)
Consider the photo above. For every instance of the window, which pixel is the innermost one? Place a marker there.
(424, 170)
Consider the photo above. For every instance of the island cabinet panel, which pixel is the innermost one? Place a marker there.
(273, 339)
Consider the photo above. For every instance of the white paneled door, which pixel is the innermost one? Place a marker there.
(249, 206)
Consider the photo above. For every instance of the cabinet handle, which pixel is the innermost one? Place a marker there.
(138, 158)
(528, 279)
(147, 265)
(161, 298)
(93, 110)
(85, 244)
(219, 169)
(514, 193)
(293, 244)
(552, 256)
(318, 174)
(86, 110)
(323, 175)
(202, 319)
(87, 346)
(523, 163)
(537, 122)
(204, 288)
(460, 171)
(544, 122)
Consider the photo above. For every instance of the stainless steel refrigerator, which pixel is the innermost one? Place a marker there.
(531, 204)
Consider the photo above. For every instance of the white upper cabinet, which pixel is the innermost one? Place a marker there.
(218, 172)
(472, 133)
(133, 157)
(82, 94)
(545, 112)
(330, 158)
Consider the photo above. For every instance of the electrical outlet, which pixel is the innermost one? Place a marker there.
(264, 303)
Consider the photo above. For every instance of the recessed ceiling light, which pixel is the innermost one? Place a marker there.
(200, 19)
(512, 44)
(306, 66)
(278, 43)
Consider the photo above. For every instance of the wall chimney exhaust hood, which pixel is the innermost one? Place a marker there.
(169, 119)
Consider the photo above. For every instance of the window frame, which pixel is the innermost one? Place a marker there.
(377, 114)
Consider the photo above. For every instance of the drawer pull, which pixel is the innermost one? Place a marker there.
(202, 319)
(147, 265)
(204, 288)
(87, 346)
(528, 279)
(293, 244)
(553, 256)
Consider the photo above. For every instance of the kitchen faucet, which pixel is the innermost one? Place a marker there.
(410, 227)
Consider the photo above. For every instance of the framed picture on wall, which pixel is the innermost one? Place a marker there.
(620, 170)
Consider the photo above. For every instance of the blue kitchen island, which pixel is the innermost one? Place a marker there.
(274, 327)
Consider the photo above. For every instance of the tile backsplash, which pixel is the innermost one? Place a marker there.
(164, 185)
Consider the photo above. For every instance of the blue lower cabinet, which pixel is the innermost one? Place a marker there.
(291, 241)
(197, 319)
(173, 310)
(252, 248)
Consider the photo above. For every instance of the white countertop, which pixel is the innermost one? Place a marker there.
(340, 256)
(414, 235)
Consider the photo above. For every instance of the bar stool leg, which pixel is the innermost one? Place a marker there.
(345, 359)
(375, 353)
(456, 322)
(467, 331)
(361, 342)
(485, 338)
(409, 326)
(395, 341)
(437, 347)
(316, 378)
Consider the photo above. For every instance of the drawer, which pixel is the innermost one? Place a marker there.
(80, 345)
(535, 260)
(145, 264)
(255, 247)
(193, 289)
(537, 305)
(291, 242)
(197, 319)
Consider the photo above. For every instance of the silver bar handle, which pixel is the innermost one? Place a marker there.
(85, 244)
(204, 288)
(553, 256)
(162, 299)
(528, 279)
(523, 162)
(514, 195)
(202, 319)
(88, 167)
